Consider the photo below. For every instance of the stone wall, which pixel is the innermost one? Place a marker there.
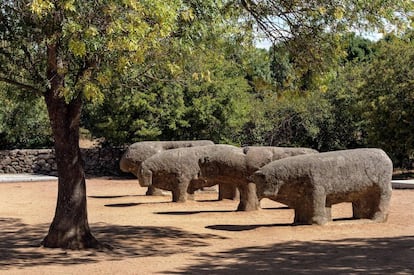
(98, 161)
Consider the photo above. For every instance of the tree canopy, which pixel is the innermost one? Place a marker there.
(96, 41)
(388, 94)
(192, 90)
(312, 30)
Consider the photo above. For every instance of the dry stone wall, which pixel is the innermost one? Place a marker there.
(98, 161)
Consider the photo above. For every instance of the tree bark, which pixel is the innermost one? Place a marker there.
(70, 228)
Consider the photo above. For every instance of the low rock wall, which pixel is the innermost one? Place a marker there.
(98, 161)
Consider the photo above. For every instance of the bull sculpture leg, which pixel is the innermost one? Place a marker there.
(248, 197)
(179, 192)
(319, 206)
(328, 212)
(382, 214)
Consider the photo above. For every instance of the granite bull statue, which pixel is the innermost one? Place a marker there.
(311, 184)
(178, 170)
(140, 151)
(233, 169)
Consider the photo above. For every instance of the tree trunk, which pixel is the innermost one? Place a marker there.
(70, 228)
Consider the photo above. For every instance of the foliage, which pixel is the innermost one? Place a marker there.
(348, 129)
(96, 41)
(359, 49)
(388, 94)
(189, 109)
(23, 120)
(291, 119)
(321, 109)
(311, 30)
(147, 83)
(96, 44)
(195, 89)
(217, 109)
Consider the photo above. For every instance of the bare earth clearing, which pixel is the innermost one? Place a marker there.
(151, 235)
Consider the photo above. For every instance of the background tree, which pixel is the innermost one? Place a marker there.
(388, 97)
(346, 127)
(358, 49)
(309, 43)
(23, 120)
(193, 89)
(312, 30)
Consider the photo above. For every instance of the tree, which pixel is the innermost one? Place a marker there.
(68, 51)
(372, 97)
(190, 107)
(311, 30)
(347, 129)
(31, 132)
(388, 97)
(308, 42)
(195, 90)
(360, 49)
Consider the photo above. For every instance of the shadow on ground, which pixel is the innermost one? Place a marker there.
(20, 244)
(129, 204)
(347, 256)
(183, 213)
(244, 227)
(19, 248)
(247, 227)
(114, 197)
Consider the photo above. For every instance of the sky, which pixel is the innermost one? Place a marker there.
(264, 43)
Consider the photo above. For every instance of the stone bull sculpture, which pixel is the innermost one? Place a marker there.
(233, 169)
(178, 170)
(311, 184)
(140, 151)
(259, 156)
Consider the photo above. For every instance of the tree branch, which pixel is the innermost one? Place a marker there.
(21, 85)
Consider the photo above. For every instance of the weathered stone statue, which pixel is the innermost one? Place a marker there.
(140, 151)
(233, 169)
(178, 170)
(229, 169)
(311, 184)
(258, 156)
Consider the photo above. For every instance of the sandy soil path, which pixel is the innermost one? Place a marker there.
(151, 235)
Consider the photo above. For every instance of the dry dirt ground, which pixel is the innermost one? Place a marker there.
(151, 235)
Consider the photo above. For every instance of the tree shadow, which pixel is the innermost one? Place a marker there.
(20, 244)
(347, 256)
